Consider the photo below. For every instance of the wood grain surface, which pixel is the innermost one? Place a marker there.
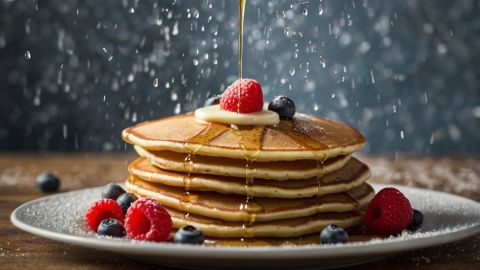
(20, 250)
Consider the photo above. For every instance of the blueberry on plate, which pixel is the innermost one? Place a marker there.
(189, 235)
(112, 191)
(125, 200)
(48, 182)
(111, 227)
(284, 106)
(333, 234)
(213, 100)
(417, 221)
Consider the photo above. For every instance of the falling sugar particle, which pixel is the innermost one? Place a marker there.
(195, 62)
(28, 55)
(65, 131)
(131, 10)
(442, 48)
(402, 136)
(476, 112)
(177, 108)
(110, 58)
(155, 83)
(291, 71)
(36, 101)
(320, 9)
(174, 96)
(322, 62)
(372, 77)
(130, 77)
(432, 138)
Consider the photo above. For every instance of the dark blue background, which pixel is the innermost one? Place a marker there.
(73, 74)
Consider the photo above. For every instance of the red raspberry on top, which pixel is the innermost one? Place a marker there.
(147, 220)
(100, 210)
(389, 212)
(251, 97)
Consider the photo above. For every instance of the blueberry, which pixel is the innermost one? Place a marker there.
(284, 106)
(333, 234)
(48, 182)
(189, 235)
(417, 220)
(112, 191)
(213, 100)
(125, 200)
(111, 227)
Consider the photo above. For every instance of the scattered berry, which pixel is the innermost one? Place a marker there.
(101, 210)
(146, 219)
(417, 221)
(112, 191)
(251, 97)
(284, 106)
(125, 200)
(333, 234)
(189, 235)
(48, 182)
(213, 100)
(389, 212)
(111, 227)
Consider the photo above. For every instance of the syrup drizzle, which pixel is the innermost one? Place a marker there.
(250, 140)
(292, 129)
(211, 131)
(353, 200)
(186, 198)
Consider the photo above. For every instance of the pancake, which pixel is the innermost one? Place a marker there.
(235, 207)
(352, 175)
(276, 229)
(303, 138)
(275, 170)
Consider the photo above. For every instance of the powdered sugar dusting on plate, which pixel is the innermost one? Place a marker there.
(444, 214)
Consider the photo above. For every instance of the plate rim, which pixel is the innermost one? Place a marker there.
(133, 247)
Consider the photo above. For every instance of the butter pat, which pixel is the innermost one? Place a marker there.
(217, 115)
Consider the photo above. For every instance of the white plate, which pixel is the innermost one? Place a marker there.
(60, 217)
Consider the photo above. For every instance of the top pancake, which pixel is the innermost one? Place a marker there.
(304, 137)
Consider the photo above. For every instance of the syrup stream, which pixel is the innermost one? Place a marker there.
(241, 16)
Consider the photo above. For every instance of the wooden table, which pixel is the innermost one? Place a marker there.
(20, 250)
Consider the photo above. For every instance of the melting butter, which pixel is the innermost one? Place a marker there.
(214, 114)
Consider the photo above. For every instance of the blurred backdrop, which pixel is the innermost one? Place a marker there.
(74, 73)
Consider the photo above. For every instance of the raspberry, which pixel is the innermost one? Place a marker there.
(389, 212)
(251, 97)
(101, 210)
(146, 219)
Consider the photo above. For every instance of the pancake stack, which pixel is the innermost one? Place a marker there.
(280, 181)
